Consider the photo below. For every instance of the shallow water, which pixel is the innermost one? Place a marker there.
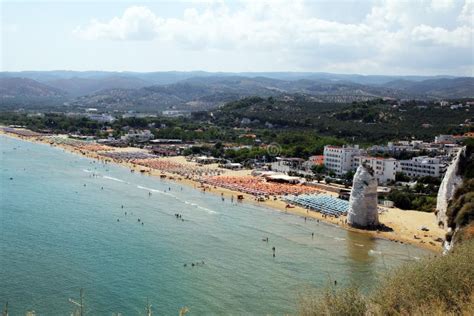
(59, 232)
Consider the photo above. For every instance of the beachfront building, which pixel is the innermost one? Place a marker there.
(138, 136)
(423, 166)
(339, 159)
(385, 169)
(232, 165)
(282, 178)
(317, 160)
(206, 160)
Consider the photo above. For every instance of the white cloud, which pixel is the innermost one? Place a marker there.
(289, 31)
(459, 37)
(467, 13)
(441, 5)
(136, 23)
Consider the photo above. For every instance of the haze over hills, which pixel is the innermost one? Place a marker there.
(168, 77)
(442, 88)
(77, 86)
(191, 91)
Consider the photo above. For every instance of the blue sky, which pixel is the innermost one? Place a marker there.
(368, 37)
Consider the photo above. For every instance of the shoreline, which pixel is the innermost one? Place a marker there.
(403, 223)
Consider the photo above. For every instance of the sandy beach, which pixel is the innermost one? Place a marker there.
(406, 225)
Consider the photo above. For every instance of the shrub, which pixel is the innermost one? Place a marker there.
(447, 281)
(432, 286)
(334, 301)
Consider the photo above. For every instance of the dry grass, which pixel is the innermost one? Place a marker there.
(438, 286)
(334, 301)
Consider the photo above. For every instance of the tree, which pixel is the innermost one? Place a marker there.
(349, 175)
(402, 177)
(318, 169)
(400, 199)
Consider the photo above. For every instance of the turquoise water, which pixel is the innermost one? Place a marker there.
(59, 232)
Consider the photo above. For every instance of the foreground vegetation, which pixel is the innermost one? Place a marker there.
(433, 286)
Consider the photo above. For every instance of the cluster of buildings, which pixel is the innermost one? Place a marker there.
(427, 159)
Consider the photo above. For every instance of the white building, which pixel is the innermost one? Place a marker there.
(423, 166)
(102, 118)
(445, 139)
(384, 169)
(138, 136)
(339, 159)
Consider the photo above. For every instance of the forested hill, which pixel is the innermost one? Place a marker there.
(374, 120)
(127, 91)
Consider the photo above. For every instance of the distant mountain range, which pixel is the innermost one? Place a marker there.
(437, 88)
(82, 86)
(202, 90)
(168, 77)
(14, 87)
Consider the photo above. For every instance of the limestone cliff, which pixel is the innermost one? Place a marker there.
(460, 208)
(451, 181)
(363, 210)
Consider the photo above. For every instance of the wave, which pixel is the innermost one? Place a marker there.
(200, 207)
(114, 179)
(178, 199)
(155, 191)
(373, 252)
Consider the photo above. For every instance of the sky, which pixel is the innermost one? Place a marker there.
(384, 37)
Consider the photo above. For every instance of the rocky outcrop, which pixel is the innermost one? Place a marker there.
(451, 181)
(459, 214)
(363, 212)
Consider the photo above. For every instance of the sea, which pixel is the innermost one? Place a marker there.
(68, 223)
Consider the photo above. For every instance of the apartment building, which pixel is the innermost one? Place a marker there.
(339, 159)
(384, 169)
(423, 166)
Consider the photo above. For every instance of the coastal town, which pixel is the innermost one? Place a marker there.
(237, 157)
(318, 188)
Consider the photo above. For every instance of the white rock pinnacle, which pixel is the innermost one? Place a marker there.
(363, 201)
